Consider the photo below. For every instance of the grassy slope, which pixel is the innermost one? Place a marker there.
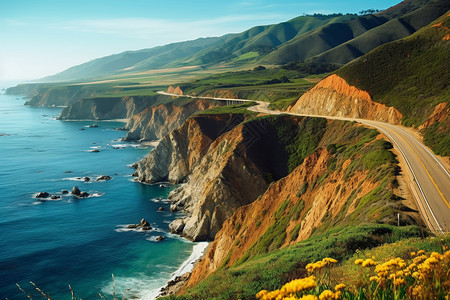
(270, 271)
(392, 30)
(412, 75)
(264, 85)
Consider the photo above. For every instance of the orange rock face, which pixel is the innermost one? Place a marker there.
(441, 111)
(175, 90)
(333, 96)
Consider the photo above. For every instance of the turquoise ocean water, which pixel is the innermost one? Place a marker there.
(79, 242)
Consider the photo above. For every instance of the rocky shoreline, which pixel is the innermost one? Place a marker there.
(182, 275)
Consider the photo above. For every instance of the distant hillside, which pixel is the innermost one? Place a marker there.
(413, 76)
(155, 58)
(331, 39)
(392, 30)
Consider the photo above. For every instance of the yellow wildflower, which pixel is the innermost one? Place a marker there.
(419, 259)
(374, 278)
(329, 260)
(399, 281)
(308, 297)
(436, 255)
(261, 293)
(327, 294)
(339, 287)
(358, 261)
(369, 262)
(413, 254)
(447, 254)
(420, 252)
(311, 267)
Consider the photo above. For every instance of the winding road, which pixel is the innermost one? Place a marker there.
(429, 178)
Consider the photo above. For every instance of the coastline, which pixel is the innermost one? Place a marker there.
(181, 275)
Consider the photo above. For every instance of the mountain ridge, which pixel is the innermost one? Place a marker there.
(298, 39)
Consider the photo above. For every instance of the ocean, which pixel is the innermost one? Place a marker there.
(80, 242)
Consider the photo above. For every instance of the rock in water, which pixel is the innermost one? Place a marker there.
(42, 195)
(159, 238)
(86, 178)
(64, 192)
(95, 150)
(76, 191)
(84, 195)
(54, 197)
(103, 177)
(143, 224)
(161, 208)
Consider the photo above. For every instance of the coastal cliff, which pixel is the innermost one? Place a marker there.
(107, 108)
(53, 94)
(333, 96)
(349, 179)
(219, 158)
(157, 121)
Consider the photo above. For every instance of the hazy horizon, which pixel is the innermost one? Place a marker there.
(42, 38)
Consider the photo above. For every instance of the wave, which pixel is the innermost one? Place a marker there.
(123, 228)
(186, 267)
(137, 285)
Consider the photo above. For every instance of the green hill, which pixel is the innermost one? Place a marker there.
(412, 75)
(390, 31)
(332, 38)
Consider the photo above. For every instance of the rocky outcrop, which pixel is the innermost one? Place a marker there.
(76, 192)
(110, 108)
(179, 152)
(439, 114)
(333, 96)
(29, 90)
(58, 95)
(157, 121)
(103, 178)
(42, 195)
(175, 90)
(143, 225)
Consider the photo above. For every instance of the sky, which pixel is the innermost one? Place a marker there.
(43, 37)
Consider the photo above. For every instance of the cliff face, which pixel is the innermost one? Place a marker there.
(179, 152)
(333, 96)
(59, 95)
(157, 121)
(175, 90)
(28, 90)
(109, 108)
(226, 165)
(325, 191)
(439, 114)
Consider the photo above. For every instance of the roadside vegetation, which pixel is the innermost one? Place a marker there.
(272, 270)
(403, 270)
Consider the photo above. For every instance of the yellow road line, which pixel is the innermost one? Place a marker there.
(426, 170)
